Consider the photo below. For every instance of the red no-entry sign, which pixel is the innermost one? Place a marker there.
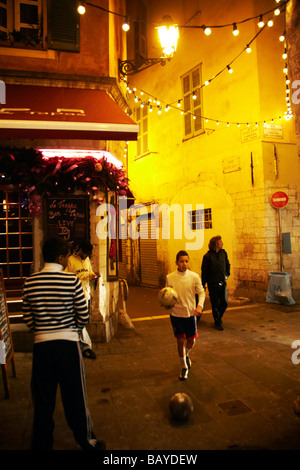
(279, 199)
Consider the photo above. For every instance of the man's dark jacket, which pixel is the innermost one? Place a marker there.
(215, 267)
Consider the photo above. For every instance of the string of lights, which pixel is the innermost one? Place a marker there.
(235, 31)
(151, 101)
(81, 8)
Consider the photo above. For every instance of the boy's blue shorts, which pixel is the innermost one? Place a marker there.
(186, 327)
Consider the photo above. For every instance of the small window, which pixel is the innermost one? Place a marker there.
(192, 102)
(21, 22)
(200, 219)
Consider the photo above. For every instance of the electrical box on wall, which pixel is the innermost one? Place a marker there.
(286, 243)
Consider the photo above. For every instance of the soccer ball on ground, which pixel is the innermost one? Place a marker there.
(167, 297)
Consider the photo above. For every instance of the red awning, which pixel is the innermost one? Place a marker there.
(38, 112)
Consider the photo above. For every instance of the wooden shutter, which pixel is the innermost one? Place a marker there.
(63, 25)
(191, 84)
(148, 252)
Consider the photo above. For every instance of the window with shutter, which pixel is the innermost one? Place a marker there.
(141, 118)
(192, 102)
(21, 23)
(63, 25)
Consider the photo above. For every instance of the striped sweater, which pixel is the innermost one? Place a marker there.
(54, 305)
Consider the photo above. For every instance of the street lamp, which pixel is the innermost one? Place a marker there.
(168, 36)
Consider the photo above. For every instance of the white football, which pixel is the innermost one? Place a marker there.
(167, 297)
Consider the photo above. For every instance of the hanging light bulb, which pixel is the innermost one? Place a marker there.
(235, 31)
(277, 12)
(229, 69)
(207, 82)
(207, 31)
(284, 55)
(126, 25)
(194, 95)
(248, 48)
(285, 69)
(261, 21)
(270, 23)
(81, 8)
(179, 103)
(282, 37)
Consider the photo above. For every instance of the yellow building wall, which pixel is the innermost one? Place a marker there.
(225, 168)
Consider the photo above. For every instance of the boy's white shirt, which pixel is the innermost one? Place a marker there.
(186, 284)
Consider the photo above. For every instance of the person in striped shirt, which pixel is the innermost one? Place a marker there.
(55, 309)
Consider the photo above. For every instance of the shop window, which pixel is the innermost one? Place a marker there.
(192, 102)
(16, 250)
(200, 219)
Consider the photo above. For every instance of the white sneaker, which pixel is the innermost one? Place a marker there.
(188, 362)
(184, 374)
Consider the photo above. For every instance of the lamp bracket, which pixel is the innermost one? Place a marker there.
(130, 67)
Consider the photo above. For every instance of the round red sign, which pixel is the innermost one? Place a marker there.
(279, 199)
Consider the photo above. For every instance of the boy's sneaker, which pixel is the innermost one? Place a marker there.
(188, 362)
(184, 374)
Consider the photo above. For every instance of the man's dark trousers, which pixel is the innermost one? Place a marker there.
(219, 300)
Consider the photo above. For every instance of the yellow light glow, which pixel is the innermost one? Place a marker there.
(168, 36)
(73, 153)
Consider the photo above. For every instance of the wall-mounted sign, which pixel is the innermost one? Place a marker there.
(273, 131)
(249, 133)
(231, 164)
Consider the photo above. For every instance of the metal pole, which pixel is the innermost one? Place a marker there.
(280, 240)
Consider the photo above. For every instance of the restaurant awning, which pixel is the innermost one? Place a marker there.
(42, 112)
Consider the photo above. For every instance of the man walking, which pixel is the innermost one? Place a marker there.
(215, 270)
(54, 307)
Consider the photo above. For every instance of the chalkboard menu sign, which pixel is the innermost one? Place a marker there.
(6, 344)
(68, 218)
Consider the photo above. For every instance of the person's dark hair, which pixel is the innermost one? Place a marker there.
(53, 248)
(181, 253)
(213, 242)
(86, 247)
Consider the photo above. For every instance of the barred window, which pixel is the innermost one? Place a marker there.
(200, 219)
